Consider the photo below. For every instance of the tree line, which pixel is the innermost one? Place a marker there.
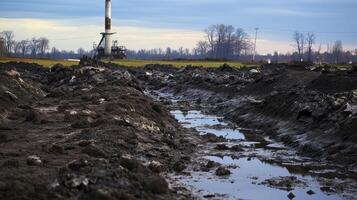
(34, 48)
(221, 42)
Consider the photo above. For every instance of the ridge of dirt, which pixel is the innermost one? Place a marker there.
(86, 132)
(311, 109)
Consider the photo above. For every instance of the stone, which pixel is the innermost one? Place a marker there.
(310, 192)
(34, 160)
(291, 195)
(221, 171)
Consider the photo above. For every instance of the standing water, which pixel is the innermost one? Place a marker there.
(256, 173)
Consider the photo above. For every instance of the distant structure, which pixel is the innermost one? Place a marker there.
(255, 44)
(105, 48)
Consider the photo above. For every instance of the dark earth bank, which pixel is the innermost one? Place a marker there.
(86, 132)
(312, 109)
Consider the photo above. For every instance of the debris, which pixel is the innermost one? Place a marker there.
(34, 160)
(221, 171)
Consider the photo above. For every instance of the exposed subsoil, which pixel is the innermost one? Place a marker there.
(86, 132)
(94, 131)
(313, 110)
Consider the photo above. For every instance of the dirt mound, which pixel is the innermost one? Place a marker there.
(86, 132)
(311, 110)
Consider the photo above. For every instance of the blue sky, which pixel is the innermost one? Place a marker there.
(181, 19)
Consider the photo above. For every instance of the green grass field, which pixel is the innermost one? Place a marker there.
(176, 63)
(43, 62)
(130, 63)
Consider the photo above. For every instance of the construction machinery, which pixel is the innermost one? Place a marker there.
(106, 48)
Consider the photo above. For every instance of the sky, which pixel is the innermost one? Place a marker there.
(139, 24)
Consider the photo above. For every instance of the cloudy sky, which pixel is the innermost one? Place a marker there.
(71, 24)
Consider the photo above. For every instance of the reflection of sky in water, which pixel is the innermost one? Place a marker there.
(239, 184)
(200, 121)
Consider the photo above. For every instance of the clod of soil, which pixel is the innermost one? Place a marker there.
(222, 171)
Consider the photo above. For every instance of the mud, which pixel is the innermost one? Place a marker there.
(314, 111)
(86, 132)
(102, 131)
(311, 111)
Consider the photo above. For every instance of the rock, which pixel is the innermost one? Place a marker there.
(237, 148)
(254, 71)
(79, 181)
(291, 195)
(157, 185)
(310, 192)
(94, 151)
(207, 196)
(212, 138)
(12, 96)
(156, 166)
(34, 160)
(77, 164)
(221, 147)
(351, 109)
(221, 171)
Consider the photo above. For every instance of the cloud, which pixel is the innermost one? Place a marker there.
(72, 35)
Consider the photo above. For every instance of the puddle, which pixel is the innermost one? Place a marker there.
(247, 173)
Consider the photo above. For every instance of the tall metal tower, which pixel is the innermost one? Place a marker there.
(255, 43)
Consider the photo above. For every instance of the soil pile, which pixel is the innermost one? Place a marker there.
(85, 132)
(313, 109)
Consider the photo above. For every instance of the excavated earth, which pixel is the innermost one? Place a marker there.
(102, 131)
(86, 132)
(312, 109)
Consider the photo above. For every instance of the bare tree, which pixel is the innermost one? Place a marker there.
(168, 53)
(202, 48)
(241, 42)
(210, 34)
(337, 51)
(17, 48)
(299, 44)
(34, 46)
(24, 46)
(3, 51)
(43, 45)
(8, 37)
(310, 39)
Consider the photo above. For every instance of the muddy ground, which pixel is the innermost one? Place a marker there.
(94, 131)
(85, 132)
(312, 109)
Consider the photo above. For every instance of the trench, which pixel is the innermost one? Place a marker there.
(258, 171)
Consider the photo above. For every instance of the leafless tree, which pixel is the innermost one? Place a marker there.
(210, 34)
(24, 46)
(8, 37)
(241, 42)
(299, 39)
(17, 48)
(202, 48)
(310, 39)
(337, 51)
(3, 51)
(168, 53)
(43, 45)
(34, 46)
